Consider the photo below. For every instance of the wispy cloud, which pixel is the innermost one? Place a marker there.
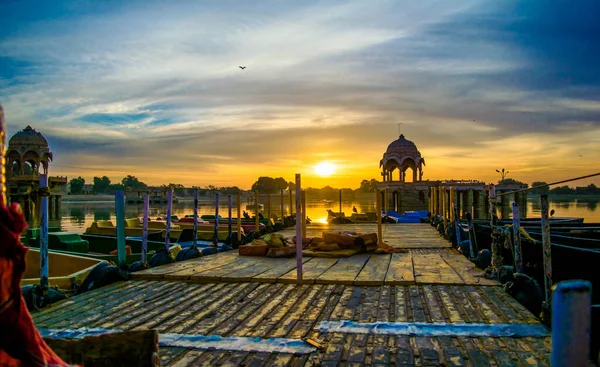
(154, 87)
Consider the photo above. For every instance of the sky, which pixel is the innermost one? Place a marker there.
(154, 89)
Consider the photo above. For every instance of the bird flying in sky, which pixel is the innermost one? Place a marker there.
(242, 67)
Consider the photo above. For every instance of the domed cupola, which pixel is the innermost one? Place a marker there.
(402, 154)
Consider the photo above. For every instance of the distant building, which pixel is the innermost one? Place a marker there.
(27, 153)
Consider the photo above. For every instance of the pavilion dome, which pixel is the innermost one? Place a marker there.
(29, 138)
(403, 147)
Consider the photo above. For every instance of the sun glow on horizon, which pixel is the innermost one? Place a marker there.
(324, 169)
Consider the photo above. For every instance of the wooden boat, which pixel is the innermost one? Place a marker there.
(65, 270)
(133, 227)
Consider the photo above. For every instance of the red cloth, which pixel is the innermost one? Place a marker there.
(20, 342)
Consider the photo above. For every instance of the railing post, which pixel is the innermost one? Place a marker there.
(120, 209)
(379, 225)
(195, 230)
(456, 226)
(299, 237)
(145, 228)
(169, 210)
(256, 218)
(229, 224)
(546, 248)
(216, 234)
(239, 217)
(44, 234)
(472, 237)
(517, 237)
(571, 320)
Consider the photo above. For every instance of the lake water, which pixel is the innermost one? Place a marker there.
(77, 216)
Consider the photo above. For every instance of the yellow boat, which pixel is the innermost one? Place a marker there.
(133, 227)
(64, 270)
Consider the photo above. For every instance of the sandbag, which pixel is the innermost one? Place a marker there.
(161, 257)
(137, 266)
(273, 240)
(258, 242)
(253, 250)
(209, 251)
(188, 253)
(282, 252)
(101, 275)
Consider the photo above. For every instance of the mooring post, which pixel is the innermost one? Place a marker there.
(299, 237)
(472, 237)
(340, 202)
(145, 228)
(517, 237)
(257, 208)
(120, 209)
(445, 201)
(492, 199)
(456, 226)
(229, 224)
(291, 205)
(44, 234)
(239, 217)
(546, 248)
(195, 230)
(282, 213)
(169, 211)
(216, 234)
(303, 213)
(571, 320)
(379, 225)
(451, 204)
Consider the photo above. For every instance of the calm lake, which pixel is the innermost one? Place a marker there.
(77, 216)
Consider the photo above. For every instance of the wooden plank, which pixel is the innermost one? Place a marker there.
(374, 271)
(344, 271)
(271, 275)
(432, 269)
(400, 270)
(201, 265)
(311, 270)
(260, 266)
(468, 272)
(160, 271)
(215, 274)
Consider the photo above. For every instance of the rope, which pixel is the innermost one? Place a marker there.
(550, 184)
(569, 237)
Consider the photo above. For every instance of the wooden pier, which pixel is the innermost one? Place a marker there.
(229, 295)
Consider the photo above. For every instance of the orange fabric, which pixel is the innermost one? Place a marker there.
(20, 342)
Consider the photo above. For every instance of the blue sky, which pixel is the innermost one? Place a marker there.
(153, 88)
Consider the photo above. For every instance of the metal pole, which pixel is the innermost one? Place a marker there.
(195, 230)
(282, 213)
(145, 228)
(472, 237)
(298, 229)
(456, 226)
(216, 235)
(378, 204)
(257, 222)
(229, 224)
(571, 320)
(517, 237)
(169, 210)
(120, 209)
(547, 249)
(44, 235)
(239, 217)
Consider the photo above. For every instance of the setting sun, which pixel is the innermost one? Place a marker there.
(324, 169)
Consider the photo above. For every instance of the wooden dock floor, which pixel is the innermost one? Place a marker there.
(257, 297)
(434, 264)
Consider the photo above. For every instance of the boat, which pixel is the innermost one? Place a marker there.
(133, 227)
(65, 270)
(416, 216)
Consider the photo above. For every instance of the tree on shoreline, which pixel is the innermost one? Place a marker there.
(76, 185)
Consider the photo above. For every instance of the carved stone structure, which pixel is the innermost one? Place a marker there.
(28, 154)
(402, 154)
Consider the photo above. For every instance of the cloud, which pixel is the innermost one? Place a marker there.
(155, 88)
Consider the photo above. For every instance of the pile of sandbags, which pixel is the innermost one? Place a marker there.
(271, 245)
(344, 244)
